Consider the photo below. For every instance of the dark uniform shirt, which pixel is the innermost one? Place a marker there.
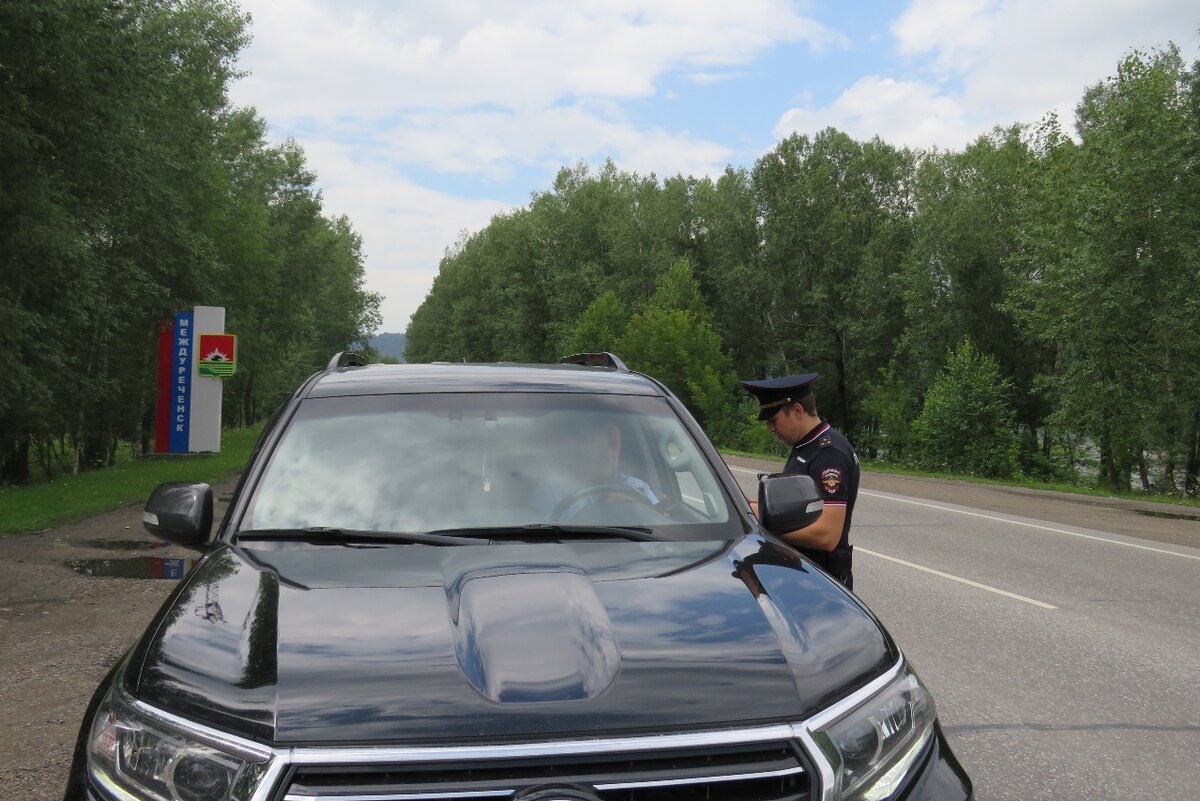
(830, 459)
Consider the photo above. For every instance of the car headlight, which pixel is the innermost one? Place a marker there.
(873, 747)
(136, 758)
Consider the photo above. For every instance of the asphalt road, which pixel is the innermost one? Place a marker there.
(1065, 661)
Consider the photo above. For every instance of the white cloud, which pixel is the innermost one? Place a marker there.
(326, 60)
(957, 30)
(405, 227)
(901, 112)
(483, 88)
(496, 91)
(545, 139)
(974, 64)
(1046, 54)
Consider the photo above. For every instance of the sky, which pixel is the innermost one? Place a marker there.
(423, 120)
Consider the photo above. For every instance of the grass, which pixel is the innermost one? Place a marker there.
(71, 498)
(1028, 483)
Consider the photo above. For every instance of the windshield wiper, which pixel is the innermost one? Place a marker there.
(335, 535)
(551, 531)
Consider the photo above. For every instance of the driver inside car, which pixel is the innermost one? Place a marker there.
(591, 475)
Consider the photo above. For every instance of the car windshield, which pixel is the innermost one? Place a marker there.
(459, 462)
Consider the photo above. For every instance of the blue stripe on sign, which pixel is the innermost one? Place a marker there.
(181, 382)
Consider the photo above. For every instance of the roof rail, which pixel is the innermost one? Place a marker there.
(603, 359)
(351, 359)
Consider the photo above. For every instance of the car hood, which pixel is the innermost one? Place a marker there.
(300, 643)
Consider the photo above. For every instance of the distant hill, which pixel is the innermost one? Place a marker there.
(390, 345)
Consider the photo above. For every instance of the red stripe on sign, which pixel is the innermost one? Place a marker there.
(162, 401)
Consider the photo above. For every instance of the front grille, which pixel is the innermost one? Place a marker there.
(742, 772)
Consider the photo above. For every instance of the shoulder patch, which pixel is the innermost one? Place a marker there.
(826, 442)
(831, 479)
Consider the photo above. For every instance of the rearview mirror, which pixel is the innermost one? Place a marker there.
(788, 501)
(180, 512)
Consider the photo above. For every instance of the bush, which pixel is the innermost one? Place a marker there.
(684, 352)
(967, 423)
(602, 324)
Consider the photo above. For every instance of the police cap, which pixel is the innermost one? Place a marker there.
(775, 393)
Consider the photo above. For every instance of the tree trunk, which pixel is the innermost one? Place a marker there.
(146, 429)
(248, 400)
(847, 425)
(14, 461)
(1108, 468)
(1191, 482)
(1170, 430)
(1143, 472)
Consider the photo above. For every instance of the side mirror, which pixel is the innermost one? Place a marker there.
(787, 501)
(180, 512)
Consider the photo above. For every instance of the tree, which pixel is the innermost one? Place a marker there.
(727, 255)
(674, 341)
(954, 285)
(834, 216)
(600, 327)
(133, 189)
(966, 424)
(1110, 284)
(685, 354)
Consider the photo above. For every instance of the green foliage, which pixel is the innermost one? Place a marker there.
(389, 345)
(835, 224)
(890, 406)
(953, 278)
(600, 327)
(75, 497)
(674, 341)
(1106, 275)
(755, 438)
(684, 353)
(678, 289)
(133, 189)
(1071, 264)
(967, 424)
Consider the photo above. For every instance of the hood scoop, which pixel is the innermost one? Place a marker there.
(530, 634)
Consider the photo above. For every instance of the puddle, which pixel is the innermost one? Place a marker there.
(120, 545)
(1169, 515)
(140, 567)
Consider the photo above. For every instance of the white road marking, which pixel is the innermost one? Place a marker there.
(1029, 525)
(1004, 520)
(960, 579)
(976, 584)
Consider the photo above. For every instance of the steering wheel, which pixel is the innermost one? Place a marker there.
(624, 490)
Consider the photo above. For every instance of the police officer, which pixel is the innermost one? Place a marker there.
(788, 406)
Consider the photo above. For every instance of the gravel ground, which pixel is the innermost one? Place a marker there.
(61, 631)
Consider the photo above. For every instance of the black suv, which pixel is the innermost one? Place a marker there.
(455, 582)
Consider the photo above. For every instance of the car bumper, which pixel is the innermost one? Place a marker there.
(941, 777)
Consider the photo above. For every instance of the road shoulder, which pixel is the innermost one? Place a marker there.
(61, 631)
